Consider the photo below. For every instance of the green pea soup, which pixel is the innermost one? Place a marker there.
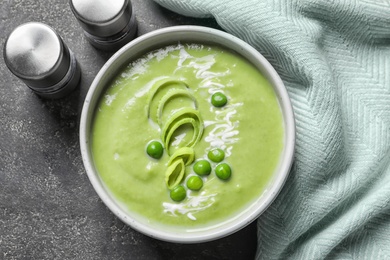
(131, 113)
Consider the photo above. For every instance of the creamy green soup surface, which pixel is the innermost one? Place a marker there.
(136, 107)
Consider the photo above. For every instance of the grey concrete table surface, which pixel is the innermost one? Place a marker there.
(48, 208)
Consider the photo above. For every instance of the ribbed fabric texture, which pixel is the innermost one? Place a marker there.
(334, 58)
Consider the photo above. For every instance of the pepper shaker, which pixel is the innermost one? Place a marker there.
(37, 55)
(108, 25)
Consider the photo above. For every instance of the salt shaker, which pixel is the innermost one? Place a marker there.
(37, 55)
(108, 24)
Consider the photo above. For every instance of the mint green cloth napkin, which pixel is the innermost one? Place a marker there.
(334, 58)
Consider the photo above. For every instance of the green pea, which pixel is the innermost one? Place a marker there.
(194, 183)
(178, 193)
(202, 167)
(223, 171)
(216, 155)
(155, 149)
(218, 99)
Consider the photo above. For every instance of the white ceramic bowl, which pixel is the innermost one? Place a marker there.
(155, 40)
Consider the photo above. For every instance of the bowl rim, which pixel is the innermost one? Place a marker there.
(280, 175)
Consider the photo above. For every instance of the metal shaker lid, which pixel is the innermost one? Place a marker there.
(35, 53)
(102, 18)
